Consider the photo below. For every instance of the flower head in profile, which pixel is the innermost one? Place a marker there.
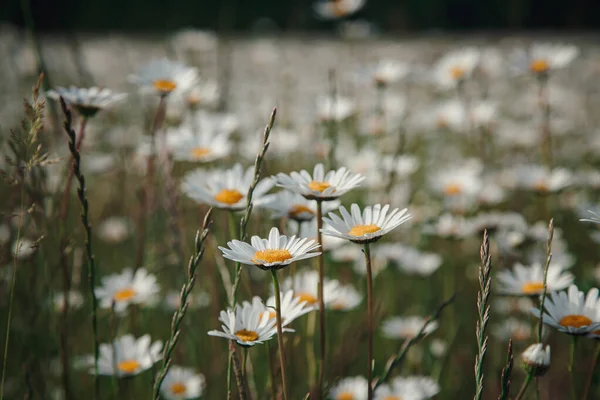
(127, 288)
(163, 77)
(225, 189)
(354, 388)
(182, 383)
(408, 388)
(529, 280)
(275, 252)
(571, 312)
(126, 356)
(248, 324)
(286, 204)
(536, 358)
(545, 58)
(336, 9)
(320, 185)
(366, 227)
(87, 101)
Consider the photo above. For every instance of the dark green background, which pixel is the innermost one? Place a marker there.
(389, 15)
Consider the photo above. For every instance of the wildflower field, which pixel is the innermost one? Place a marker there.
(201, 216)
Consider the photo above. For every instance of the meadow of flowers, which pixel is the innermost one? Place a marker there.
(294, 218)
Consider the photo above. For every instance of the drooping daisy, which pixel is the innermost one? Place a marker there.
(456, 66)
(529, 280)
(127, 288)
(320, 186)
(87, 101)
(335, 9)
(350, 389)
(370, 226)
(408, 388)
(226, 189)
(406, 327)
(273, 253)
(198, 144)
(571, 312)
(248, 325)
(182, 383)
(131, 356)
(286, 204)
(305, 286)
(346, 298)
(164, 77)
(334, 108)
(537, 358)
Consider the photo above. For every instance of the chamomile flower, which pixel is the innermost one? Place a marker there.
(335, 9)
(286, 204)
(571, 312)
(536, 358)
(370, 226)
(545, 58)
(182, 383)
(275, 252)
(87, 101)
(203, 94)
(529, 280)
(126, 356)
(127, 288)
(163, 77)
(201, 145)
(305, 286)
(456, 66)
(226, 189)
(346, 298)
(248, 325)
(350, 389)
(406, 327)
(292, 307)
(408, 388)
(458, 184)
(320, 185)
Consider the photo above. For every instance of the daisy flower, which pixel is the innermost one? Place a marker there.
(450, 226)
(75, 300)
(350, 389)
(513, 305)
(198, 145)
(127, 288)
(529, 280)
(275, 252)
(164, 77)
(286, 204)
(346, 298)
(320, 186)
(594, 217)
(305, 286)
(87, 101)
(451, 115)
(203, 94)
(410, 260)
(456, 66)
(114, 229)
(126, 356)
(408, 388)
(23, 248)
(225, 189)
(540, 179)
(406, 327)
(334, 108)
(389, 71)
(182, 383)
(248, 325)
(571, 312)
(461, 182)
(368, 227)
(545, 58)
(292, 307)
(537, 357)
(335, 9)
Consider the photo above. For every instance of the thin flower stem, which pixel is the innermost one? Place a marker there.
(588, 383)
(81, 192)
(280, 332)
(322, 329)
(572, 367)
(367, 252)
(272, 371)
(67, 193)
(545, 286)
(524, 386)
(244, 360)
(545, 132)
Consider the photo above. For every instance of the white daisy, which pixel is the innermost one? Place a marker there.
(309, 230)
(292, 307)
(127, 288)
(320, 186)
(203, 94)
(286, 204)
(305, 286)
(410, 260)
(408, 388)
(460, 183)
(198, 144)
(390, 71)
(450, 226)
(182, 383)
(544, 58)
(346, 298)
(513, 305)
(406, 327)
(537, 357)
(350, 389)
(370, 226)
(23, 248)
(225, 189)
(571, 312)
(164, 77)
(131, 356)
(273, 253)
(538, 178)
(114, 229)
(456, 66)
(248, 325)
(87, 101)
(529, 280)
(335, 9)
(451, 115)
(74, 297)
(334, 108)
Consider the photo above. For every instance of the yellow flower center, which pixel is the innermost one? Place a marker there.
(246, 336)
(318, 186)
(199, 152)
(307, 297)
(298, 209)
(457, 72)
(531, 288)
(575, 321)
(229, 196)
(539, 66)
(128, 366)
(361, 230)
(164, 85)
(124, 294)
(271, 256)
(541, 186)
(345, 396)
(178, 388)
(392, 398)
(452, 189)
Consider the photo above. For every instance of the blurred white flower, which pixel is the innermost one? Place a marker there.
(182, 383)
(406, 327)
(114, 229)
(127, 288)
(456, 66)
(335, 9)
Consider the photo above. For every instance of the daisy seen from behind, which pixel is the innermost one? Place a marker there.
(87, 101)
(536, 358)
(182, 383)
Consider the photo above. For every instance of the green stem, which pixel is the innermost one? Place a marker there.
(367, 252)
(525, 386)
(322, 329)
(279, 332)
(572, 367)
(272, 371)
(244, 359)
